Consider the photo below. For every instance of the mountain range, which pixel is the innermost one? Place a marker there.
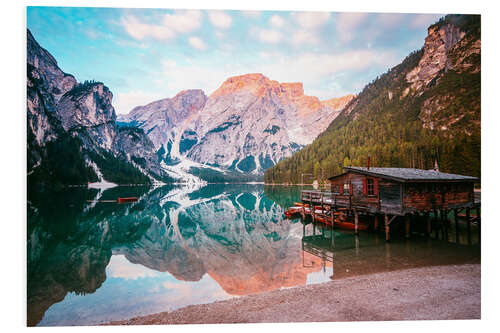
(247, 125)
(422, 111)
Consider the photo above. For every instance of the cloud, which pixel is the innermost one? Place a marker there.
(277, 21)
(423, 21)
(251, 13)
(300, 37)
(183, 21)
(347, 25)
(125, 102)
(173, 24)
(197, 43)
(220, 19)
(390, 20)
(120, 267)
(310, 20)
(269, 36)
(139, 30)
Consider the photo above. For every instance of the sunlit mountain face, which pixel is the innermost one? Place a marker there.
(92, 261)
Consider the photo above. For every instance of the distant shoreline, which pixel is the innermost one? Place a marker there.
(410, 294)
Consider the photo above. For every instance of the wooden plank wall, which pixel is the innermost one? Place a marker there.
(427, 196)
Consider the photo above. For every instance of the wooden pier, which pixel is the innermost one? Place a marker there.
(422, 200)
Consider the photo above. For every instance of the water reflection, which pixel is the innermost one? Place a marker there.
(90, 262)
(349, 254)
(234, 237)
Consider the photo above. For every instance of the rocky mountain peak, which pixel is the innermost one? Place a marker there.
(338, 103)
(87, 104)
(45, 64)
(438, 43)
(247, 82)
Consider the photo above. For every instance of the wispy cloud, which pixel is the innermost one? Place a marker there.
(310, 20)
(252, 13)
(347, 24)
(173, 24)
(277, 21)
(183, 21)
(270, 36)
(197, 43)
(422, 21)
(124, 102)
(140, 30)
(220, 19)
(301, 37)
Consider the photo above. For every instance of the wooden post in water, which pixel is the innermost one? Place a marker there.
(455, 216)
(444, 223)
(356, 239)
(387, 228)
(436, 223)
(478, 217)
(375, 223)
(356, 220)
(407, 226)
(467, 217)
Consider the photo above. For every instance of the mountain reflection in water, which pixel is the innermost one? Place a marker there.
(177, 246)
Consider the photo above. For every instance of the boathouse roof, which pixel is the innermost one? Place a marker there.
(408, 174)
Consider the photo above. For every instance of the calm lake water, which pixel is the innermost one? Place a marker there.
(90, 263)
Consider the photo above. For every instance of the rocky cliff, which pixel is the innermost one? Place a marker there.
(73, 137)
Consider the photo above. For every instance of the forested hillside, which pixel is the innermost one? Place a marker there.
(426, 109)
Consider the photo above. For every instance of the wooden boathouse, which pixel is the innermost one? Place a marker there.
(365, 195)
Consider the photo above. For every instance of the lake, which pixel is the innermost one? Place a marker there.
(92, 262)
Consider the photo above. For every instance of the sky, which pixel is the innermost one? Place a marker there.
(144, 55)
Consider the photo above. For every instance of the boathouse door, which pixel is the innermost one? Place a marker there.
(390, 197)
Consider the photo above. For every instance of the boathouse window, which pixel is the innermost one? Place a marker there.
(370, 187)
(346, 188)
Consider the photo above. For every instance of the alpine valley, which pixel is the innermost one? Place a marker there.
(247, 125)
(422, 111)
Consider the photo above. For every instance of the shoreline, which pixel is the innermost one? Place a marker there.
(424, 293)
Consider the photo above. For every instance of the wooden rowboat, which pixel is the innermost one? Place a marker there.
(124, 200)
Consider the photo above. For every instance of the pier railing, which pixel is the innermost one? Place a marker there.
(326, 198)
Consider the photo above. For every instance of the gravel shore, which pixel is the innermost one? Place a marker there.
(427, 293)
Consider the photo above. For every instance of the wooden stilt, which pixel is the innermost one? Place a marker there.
(429, 224)
(457, 231)
(478, 214)
(444, 223)
(387, 228)
(407, 226)
(435, 222)
(333, 235)
(467, 216)
(356, 220)
(375, 222)
(356, 237)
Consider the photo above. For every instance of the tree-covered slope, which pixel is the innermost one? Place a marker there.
(426, 109)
